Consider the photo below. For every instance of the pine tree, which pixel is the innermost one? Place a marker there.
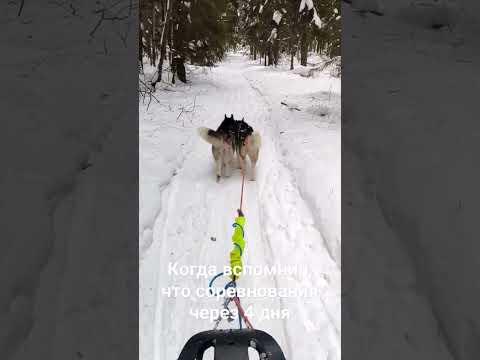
(200, 31)
(197, 31)
(329, 35)
(276, 27)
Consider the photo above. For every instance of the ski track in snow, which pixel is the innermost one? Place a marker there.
(280, 230)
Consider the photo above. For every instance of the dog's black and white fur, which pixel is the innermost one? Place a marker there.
(233, 137)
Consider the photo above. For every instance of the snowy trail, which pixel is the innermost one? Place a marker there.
(280, 230)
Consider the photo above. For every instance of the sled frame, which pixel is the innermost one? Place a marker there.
(232, 345)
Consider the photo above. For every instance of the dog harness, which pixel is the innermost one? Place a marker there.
(242, 131)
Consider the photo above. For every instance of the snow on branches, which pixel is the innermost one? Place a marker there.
(273, 35)
(316, 20)
(308, 4)
(277, 17)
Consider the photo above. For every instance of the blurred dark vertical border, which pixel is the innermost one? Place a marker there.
(69, 179)
(410, 179)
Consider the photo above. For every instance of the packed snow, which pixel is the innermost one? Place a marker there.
(292, 210)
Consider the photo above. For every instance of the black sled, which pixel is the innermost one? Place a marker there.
(232, 345)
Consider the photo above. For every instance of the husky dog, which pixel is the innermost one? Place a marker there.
(233, 137)
(247, 142)
(222, 141)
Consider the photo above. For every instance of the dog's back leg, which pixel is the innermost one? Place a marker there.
(253, 148)
(229, 157)
(253, 155)
(217, 155)
(227, 168)
(219, 166)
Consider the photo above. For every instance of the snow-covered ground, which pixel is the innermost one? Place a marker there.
(292, 210)
(67, 270)
(410, 137)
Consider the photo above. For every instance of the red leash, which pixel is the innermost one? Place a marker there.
(241, 195)
(242, 312)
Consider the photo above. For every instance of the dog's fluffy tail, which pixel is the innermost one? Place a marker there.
(209, 136)
(256, 140)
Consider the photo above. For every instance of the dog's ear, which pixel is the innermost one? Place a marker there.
(231, 116)
(225, 116)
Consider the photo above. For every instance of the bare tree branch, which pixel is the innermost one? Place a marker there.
(146, 92)
(22, 3)
(107, 15)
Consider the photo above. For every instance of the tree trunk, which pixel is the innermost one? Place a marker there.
(303, 49)
(154, 50)
(163, 55)
(178, 61)
(180, 69)
(291, 50)
(140, 45)
(276, 52)
(172, 55)
(265, 61)
(270, 55)
(163, 44)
